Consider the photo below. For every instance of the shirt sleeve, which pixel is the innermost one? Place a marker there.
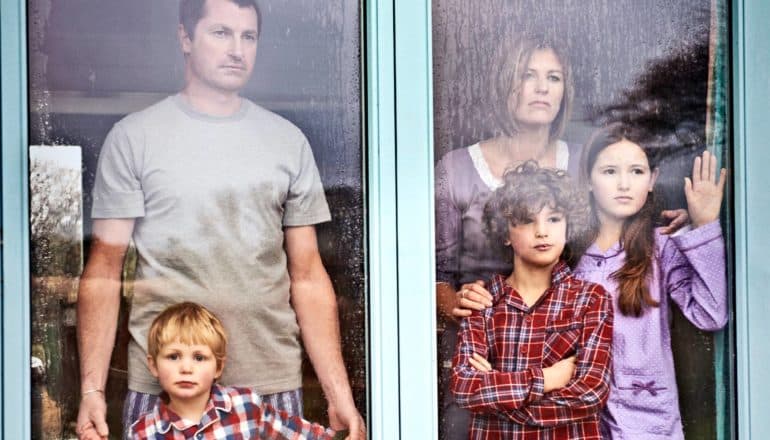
(693, 272)
(305, 202)
(273, 424)
(587, 392)
(492, 391)
(117, 189)
(449, 233)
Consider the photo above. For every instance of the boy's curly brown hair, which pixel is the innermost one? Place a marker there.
(526, 190)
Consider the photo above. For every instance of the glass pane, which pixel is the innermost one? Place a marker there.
(94, 62)
(536, 80)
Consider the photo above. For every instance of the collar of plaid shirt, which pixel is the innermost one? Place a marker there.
(165, 418)
(559, 272)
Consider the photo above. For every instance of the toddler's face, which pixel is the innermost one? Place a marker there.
(539, 241)
(186, 372)
(621, 179)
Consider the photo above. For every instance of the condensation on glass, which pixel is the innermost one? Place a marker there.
(652, 60)
(91, 62)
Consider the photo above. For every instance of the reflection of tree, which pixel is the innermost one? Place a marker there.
(55, 219)
(669, 99)
(56, 262)
(668, 103)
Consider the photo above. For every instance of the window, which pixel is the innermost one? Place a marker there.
(661, 68)
(91, 63)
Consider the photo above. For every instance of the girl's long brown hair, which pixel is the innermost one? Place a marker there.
(638, 234)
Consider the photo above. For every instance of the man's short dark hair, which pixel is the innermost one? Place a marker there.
(191, 12)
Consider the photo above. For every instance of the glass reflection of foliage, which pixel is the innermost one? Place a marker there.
(56, 262)
(55, 219)
(668, 102)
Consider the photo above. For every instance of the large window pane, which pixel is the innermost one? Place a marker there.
(654, 65)
(91, 63)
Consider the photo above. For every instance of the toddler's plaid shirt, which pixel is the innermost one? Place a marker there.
(572, 317)
(232, 414)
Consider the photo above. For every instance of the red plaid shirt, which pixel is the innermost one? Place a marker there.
(232, 414)
(573, 317)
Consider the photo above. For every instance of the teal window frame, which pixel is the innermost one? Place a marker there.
(398, 103)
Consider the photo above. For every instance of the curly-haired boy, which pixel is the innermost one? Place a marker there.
(537, 363)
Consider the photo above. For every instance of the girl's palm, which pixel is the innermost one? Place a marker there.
(704, 191)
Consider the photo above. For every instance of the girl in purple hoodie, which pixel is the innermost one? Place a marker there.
(643, 268)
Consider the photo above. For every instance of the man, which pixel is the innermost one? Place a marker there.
(220, 197)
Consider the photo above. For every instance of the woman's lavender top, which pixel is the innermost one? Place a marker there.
(463, 186)
(690, 269)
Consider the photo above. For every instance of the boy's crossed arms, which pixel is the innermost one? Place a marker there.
(529, 379)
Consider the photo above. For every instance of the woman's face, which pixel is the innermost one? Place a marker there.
(541, 90)
(621, 179)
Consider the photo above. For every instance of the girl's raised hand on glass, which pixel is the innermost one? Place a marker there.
(704, 190)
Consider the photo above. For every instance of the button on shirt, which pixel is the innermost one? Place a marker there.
(572, 317)
(232, 414)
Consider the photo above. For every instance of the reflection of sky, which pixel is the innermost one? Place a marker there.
(63, 156)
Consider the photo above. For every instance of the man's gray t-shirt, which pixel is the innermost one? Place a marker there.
(211, 197)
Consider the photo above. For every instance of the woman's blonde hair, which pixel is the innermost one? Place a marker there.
(188, 323)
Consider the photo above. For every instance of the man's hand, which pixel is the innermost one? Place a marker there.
(347, 417)
(92, 417)
(315, 304)
(559, 374)
(98, 307)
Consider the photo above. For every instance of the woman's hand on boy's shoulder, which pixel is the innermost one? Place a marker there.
(470, 297)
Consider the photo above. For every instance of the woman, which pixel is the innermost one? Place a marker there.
(531, 92)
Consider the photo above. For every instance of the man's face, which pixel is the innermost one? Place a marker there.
(220, 56)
